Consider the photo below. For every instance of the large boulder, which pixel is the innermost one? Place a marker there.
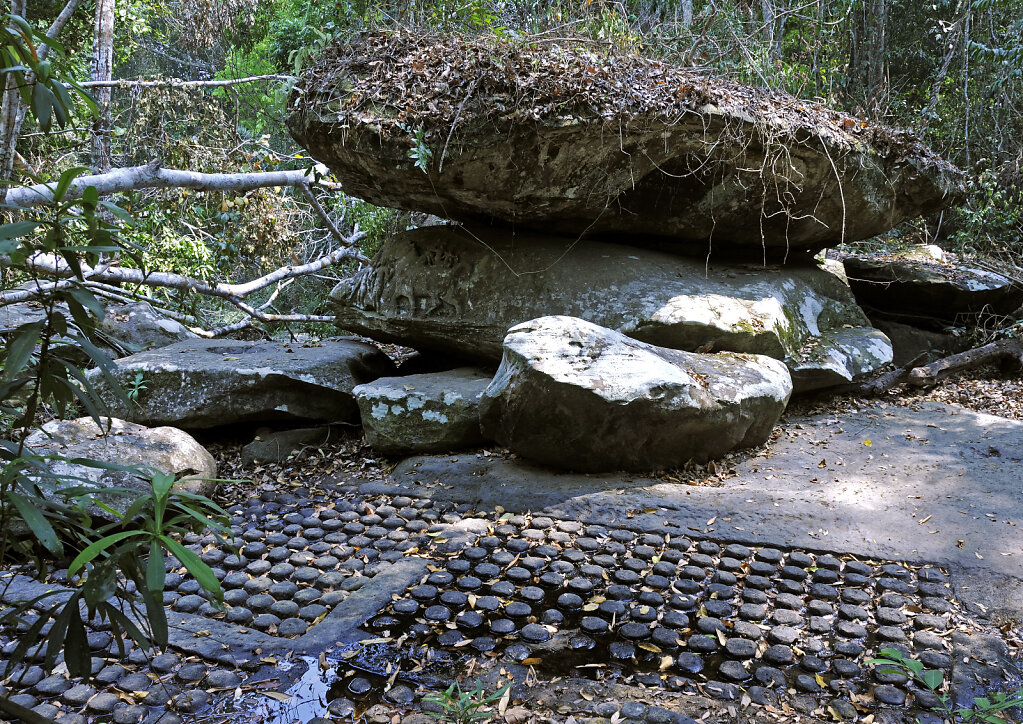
(925, 281)
(574, 395)
(427, 413)
(208, 383)
(455, 290)
(551, 137)
(164, 449)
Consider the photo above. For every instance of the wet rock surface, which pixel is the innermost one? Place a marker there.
(611, 608)
(694, 612)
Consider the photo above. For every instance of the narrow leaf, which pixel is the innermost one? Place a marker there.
(96, 548)
(37, 523)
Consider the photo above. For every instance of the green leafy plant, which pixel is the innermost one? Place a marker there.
(119, 558)
(464, 707)
(985, 708)
(113, 575)
(420, 152)
(136, 386)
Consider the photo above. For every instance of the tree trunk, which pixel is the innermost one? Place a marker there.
(9, 112)
(877, 64)
(10, 132)
(768, 15)
(687, 13)
(102, 70)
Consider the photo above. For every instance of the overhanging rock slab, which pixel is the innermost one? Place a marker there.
(549, 137)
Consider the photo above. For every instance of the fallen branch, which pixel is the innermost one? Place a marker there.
(54, 266)
(325, 218)
(178, 83)
(882, 383)
(152, 176)
(30, 294)
(1006, 352)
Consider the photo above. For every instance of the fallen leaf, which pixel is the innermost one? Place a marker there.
(502, 706)
(516, 715)
(277, 695)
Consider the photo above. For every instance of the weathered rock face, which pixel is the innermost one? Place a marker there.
(928, 282)
(163, 448)
(434, 412)
(138, 327)
(562, 141)
(454, 290)
(574, 395)
(125, 328)
(207, 383)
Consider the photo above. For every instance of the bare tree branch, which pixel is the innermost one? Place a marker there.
(325, 218)
(178, 83)
(54, 266)
(152, 176)
(31, 293)
(58, 26)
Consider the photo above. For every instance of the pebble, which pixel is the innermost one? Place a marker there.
(52, 686)
(103, 703)
(734, 671)
(779, 654)
(77, 695)
(889, 695)
(770, 677)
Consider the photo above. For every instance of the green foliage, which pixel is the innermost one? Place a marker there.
(988, 709)
(44, 92)
(46, 516)
(464, 707)
(131, 550)
(991, 222)
(420, 151)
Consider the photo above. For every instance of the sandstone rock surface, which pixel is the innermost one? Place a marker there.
(571, 394)
(566, 141)
(432, 412)
(207, 383)
(456, 290)
(165, 449)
